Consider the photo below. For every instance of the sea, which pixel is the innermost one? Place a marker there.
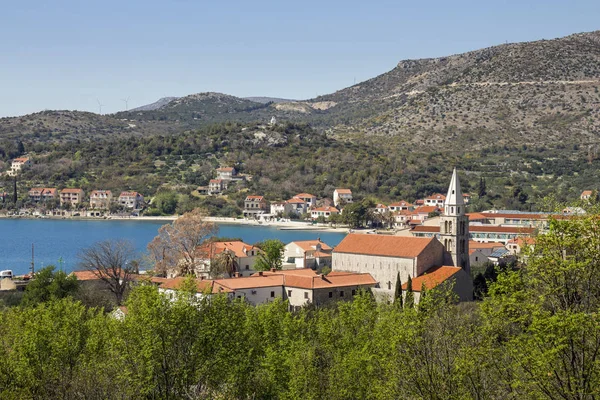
(58, 242)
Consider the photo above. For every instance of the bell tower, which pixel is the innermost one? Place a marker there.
(454, 225)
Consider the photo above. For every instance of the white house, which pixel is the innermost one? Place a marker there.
(308, 254)
(309, 199)
(325, 212)
(401, 206)
(101, 199)
(18, 165)
(436, 200)
(132, 200)
(342, 196)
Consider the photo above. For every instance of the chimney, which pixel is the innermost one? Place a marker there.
(323, 276)
(260, 273)
(237, 275)
(273, 269)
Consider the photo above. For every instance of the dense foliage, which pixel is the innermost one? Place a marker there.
(284, 160)
(534, 336)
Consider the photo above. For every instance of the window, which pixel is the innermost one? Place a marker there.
(353, 292)
(289, 293)
(273, 294)
(247, 267)
(330, 295)
(306, 295)
(341, 293)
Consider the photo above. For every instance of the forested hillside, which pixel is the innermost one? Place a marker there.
(288, 159)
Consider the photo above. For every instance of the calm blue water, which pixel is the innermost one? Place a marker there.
(54, 239)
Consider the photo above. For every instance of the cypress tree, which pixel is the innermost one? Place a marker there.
(398, 294)
(409, 300)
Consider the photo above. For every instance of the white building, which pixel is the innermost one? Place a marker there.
(132, 200)
(309, 199)
(313, 254)
(342, 196)
(325, 212)
(101, 199)
(18, 165)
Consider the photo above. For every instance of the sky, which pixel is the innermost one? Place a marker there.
(76, 54)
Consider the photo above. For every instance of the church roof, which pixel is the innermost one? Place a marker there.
(380, 245)
(454, 196)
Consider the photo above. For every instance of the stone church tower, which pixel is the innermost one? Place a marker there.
(454, 226)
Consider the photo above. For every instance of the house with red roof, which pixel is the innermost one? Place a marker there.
(133, 200)
(216, 186)
(226, 173)
(42, 194)
(101, 199)
(313, 254)
(455, 279)
(436, 199)
(401, 206)
(255, 205)
(325, 211)
(243, 254)
(71, 196)
(342, 196)
(18, 165)
(309, 199)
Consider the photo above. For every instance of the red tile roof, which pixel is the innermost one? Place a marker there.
(202, 285)
(225, 169)
(482, 228)
(432, 278)
(490, 245)
(436, 196)
(586, 193)
(129, 194)
(249, 282)
(100, 192)
(344, 191)
(308, 245)
(240, 249)
(295, 201)
(306, 278)
(401, 204)
(254, 198)
(382, 245)
(74, 191)
(304, 195)
(21, 159)
(426, 209)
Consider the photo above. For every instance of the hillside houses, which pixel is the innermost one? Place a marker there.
(342, 196)
(131, 200)
(37, 195)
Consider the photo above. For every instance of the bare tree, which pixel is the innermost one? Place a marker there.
(180, 246)
(113, 262)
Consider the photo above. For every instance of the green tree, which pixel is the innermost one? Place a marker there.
(165, 202)
(270, 255)
(398, 293)
(48, 284)
(409, 299)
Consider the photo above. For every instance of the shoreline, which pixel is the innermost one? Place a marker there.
(280, 225)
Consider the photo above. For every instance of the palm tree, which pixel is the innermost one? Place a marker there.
(224, 263)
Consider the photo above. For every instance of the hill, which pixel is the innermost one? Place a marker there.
(539, 92)
(160, 103)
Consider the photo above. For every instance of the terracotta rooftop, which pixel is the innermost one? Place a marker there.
(71, 191)
(295, 200)
(436, 196)
(308, 245)
(249, 282)
(254, 197)
(129, 194)
(426, 209)
(482, 228)
(304, 195)
(586, 193)
(202, 285)
(306, 278)
(225, 169)
(432, 278)
(343, 191)
(21, 159)
(490, 245)
(383, 245)
(238, 248)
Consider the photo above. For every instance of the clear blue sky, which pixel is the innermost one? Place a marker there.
(67, 54)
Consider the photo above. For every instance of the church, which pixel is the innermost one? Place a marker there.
(428, 261)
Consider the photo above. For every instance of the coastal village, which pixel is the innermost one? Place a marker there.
(430, 242)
